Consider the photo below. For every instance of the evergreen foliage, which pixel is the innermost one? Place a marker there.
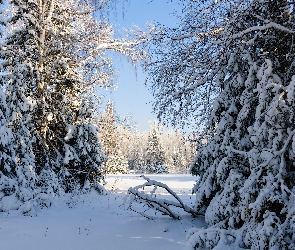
(117, 162)
(153, 151)
(179, 151)
(244, 189)
(83, 155)
(19, 107)
(8, 164)
(108, 124)
(155, 159)
(52, 58)
(241, 55)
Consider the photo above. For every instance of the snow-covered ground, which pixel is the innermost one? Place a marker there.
(101, 222)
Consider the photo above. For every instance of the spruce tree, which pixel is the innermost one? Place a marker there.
(117, 162)
(230, 67)
(8, 165)
(48, 42)
(83, 155)
(20, 104)
(246, 187)
(155, 159)
(8, 182)
(107, 125)
(52, 59)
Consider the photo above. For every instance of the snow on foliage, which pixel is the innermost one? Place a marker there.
(116, 160)
(52, 57)
(155, 158)
(177, 149)
(241, 55)
(117, 163)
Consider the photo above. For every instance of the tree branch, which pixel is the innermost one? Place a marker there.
(161, 205)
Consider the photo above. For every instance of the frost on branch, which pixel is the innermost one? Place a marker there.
(151, 202)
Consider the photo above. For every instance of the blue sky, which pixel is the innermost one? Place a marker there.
(131, 95)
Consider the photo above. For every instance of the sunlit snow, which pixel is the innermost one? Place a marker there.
(101, 221)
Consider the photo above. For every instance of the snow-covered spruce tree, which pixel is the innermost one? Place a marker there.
(15, 80)
(107, 123)
(25, 46)
(132, 143)
(7, 160)
(154, 158)
(244, 50)
(9, 188)
(83, 155)
(61, 84)
(117, 162)
(178, 150)
(17, 171)
(137, 160)
(245, 189)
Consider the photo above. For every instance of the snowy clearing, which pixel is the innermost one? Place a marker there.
(101, 221)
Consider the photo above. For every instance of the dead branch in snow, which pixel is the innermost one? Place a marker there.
(137, 194)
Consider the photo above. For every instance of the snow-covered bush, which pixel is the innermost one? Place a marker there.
(83, 155)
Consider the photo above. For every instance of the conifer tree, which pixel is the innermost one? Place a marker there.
(178, 150)
(107, 124)
(241, 55)
(19, 106)
(7, 162)
(137, 151)
(8, 165)
(117, 162)
(83, 156)
(155, 159)
(244, 189)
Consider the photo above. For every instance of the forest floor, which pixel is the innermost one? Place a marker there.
(102, 222)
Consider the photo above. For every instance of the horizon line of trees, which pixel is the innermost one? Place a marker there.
(152, 151)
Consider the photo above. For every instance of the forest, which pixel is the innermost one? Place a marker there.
(227, 71)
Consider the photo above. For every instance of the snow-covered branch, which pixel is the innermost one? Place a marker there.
(152, 202)
(261, 28)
